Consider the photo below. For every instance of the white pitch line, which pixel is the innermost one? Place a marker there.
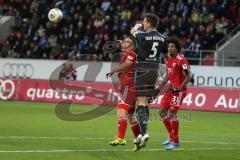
(105, 150)
(64, 138)
(209, 142)
(101, 138)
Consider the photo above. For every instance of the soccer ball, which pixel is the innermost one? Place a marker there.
(55, 15)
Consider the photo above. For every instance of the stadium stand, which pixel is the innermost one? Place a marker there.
(89, 24)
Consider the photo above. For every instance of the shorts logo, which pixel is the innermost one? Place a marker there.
(7, 89)
(184, 66)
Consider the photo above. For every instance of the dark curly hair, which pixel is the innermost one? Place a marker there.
(177, 43)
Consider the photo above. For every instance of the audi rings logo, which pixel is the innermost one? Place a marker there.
(7, 89)
(17, 70)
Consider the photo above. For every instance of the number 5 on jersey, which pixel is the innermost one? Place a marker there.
(154, 50)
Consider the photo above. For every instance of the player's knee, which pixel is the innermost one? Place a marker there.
(123, 117)
(132, 120)
(172, 115)
(162, 113)
(142, 101)
(122, 114)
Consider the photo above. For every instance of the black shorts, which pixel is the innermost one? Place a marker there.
(145, 79)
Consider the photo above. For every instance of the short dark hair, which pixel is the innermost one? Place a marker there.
(175, 41)
(133, 39)
(152, 19)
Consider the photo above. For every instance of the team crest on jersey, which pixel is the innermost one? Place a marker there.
(174, 65)
(130, 57)
(179, 57)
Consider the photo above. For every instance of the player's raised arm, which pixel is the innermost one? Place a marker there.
(135, 29)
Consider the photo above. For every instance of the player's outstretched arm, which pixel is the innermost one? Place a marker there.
(123, 66)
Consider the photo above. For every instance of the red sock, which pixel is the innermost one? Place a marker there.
(168, 125)
(122, 127)
(175, 127)
(135, 129)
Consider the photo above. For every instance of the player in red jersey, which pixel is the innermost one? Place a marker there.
(126, 106)
(178, 73)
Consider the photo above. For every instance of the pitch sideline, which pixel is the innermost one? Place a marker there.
(102, 138)
(105, 150)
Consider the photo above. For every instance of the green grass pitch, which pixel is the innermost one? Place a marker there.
(31, 131)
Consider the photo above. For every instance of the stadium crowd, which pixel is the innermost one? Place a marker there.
(88, 24)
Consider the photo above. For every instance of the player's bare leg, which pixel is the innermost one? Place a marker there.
(142, 116)
(136, 131)
(134, 125)
(163, 113)
(175, 127)
(122, 126)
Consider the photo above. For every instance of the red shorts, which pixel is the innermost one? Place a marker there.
(173, 101)
(127, 98)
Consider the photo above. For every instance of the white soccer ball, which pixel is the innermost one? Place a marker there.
(55, 15)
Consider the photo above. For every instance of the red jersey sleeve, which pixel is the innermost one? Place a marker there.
(131, 56)
(183, 64)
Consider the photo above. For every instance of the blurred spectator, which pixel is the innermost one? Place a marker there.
(68, 72)
(88, 25)
(220, 28)
(105, 5)
(194, 50)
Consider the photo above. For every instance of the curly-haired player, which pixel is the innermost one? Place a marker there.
(178, 73)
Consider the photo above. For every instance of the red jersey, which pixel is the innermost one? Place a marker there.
(128, 75)
(175, 66)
